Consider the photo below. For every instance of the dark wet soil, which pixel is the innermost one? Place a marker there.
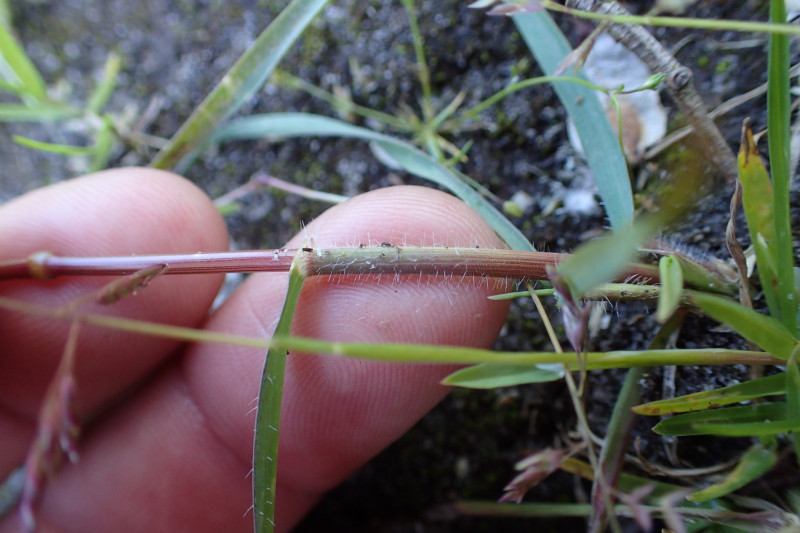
(174, 52)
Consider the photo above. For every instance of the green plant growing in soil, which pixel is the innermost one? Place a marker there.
(678, 284)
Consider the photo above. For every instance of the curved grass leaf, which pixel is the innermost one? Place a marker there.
(268, 416)
(749, 390)
(778, 124)
(603, 152)
(17, 68)
(671, 275)
(757, 203)
(408, 157)
(729, 421)
(766, 332)
(239, 84)
(757, 460)
(491, 376)
(46, 113)
(61, 149)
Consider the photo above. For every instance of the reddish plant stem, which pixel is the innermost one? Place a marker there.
(364, 260)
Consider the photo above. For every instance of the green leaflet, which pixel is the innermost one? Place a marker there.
(671, 275)
(490, 376)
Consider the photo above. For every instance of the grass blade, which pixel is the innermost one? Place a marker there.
(23, 113)
(15, 66)
(724, 421)
(491, 376)
(61, 149)
(793, 395)
(741, 392)
(268, 416)
(764, 331)
(240, 83)
(778, 125)
(756, 461)
(603, 152)
(410, 158)
(102, 93)
(757, 199)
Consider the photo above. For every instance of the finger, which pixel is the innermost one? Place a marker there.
(120, 212)
(337, 412)
(183, 451)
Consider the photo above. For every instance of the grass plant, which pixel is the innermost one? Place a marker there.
(678, 285)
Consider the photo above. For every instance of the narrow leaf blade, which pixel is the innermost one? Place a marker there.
(698, 423)
(550, 47)
(766, 332)
(741, 392)
(671, 275)
(756, 461)
(240, 83)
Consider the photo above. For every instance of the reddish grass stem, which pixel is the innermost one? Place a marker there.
(362, 260)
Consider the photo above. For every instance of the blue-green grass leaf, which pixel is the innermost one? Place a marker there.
(756, 461)
(246, 76)
(491, 376)
(764, 331)
(603, 153)
(412, 160)
(741, 392)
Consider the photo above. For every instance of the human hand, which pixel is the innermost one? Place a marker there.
(170, 444)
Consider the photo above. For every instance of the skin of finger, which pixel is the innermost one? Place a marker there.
(337, 412)
(119, 212)
(185, 446)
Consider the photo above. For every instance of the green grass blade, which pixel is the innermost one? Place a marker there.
(102, 93)
(741, 392)
(793, 395)
(778, 125)
(492, 376)
(268, 416)
(103, 145)
(671, 275)
(550, 47)
(240, 83)
(756, 461)
(757, 200)
(410, 158)
(731, 421)
(18, 69)
(764, 331)
(23, 113)
(61, 149)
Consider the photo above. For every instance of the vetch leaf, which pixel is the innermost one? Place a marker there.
(766, 332)
(671, 275)
(491, 376)
(757, 460)
(741, 392)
